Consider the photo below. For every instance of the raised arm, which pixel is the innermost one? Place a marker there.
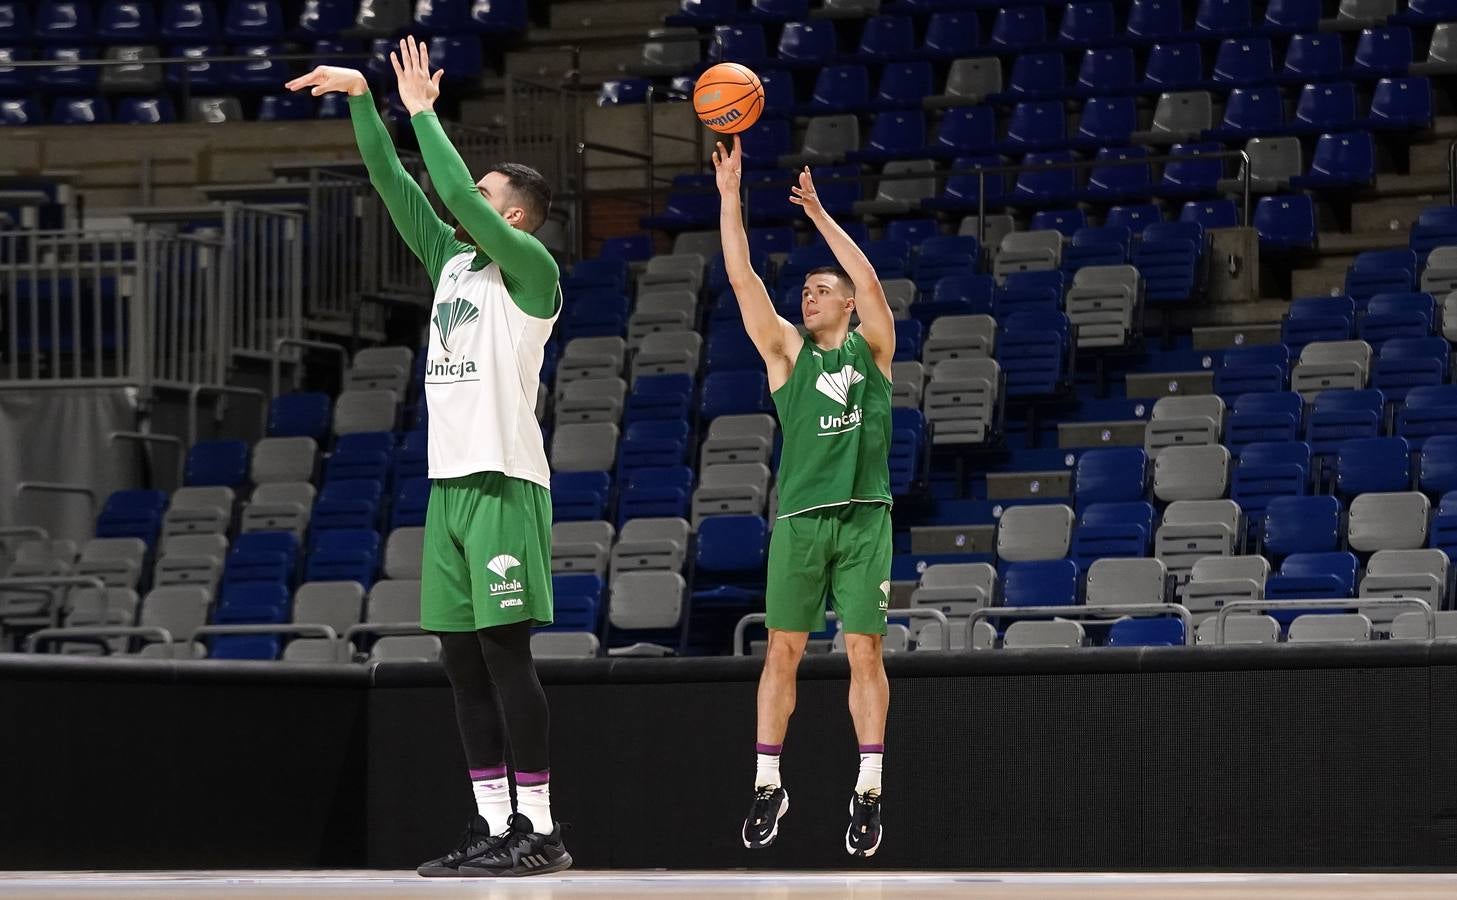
(776, 339)
(877, 322)
(431, 240)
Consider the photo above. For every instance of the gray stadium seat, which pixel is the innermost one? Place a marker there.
(564, 645)
(1036, 635)
(116, 561)
(959, 337)
(90, 608)
(1406, 573)
(403, 551)
(591, 357)
(907, 380)
(1178, 117)
(214, 110)
(900, 293)
(584, 447)
(1273, 162)
(1187, 421)
(1413, 625)
(1396, 521)
(280, 506)
(141, 77)
(897, 196)
(827, 139)
(997, 227)
(1115, 581)
(283, 459)
(198, 510)
(647, 599)
(1191, 473)
(668, 51)
(738, 439)
(1441, 53)
(705, 243)
(1102, 302)
(406, 648)
(957, 590)
(381, 18)
(1353, 15)
(1440, 274)
(35, 551)
(960, 400)
(357, 411)
(312, 650)
(1242, 630)
(191, 559)
(731, 489)
(380, 368)
(1027, 251)
(1331, 365)
(668, 353)
(581, 546)
(1217, 580)
(1330, 628)
(928, 636)
(395, 600)
(1449, 317)
(181, 609)
(651, 544)
(968, 82)
(1034, 532)
(662, 311)
(337, 604)
(672, 272)
(1194, 529)
(33, 559)
(591, 400)
(897, 639)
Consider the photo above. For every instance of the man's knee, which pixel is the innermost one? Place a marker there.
(864, 651)
(784, 651)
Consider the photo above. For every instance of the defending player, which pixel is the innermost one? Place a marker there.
(832, 390)
(486, 576)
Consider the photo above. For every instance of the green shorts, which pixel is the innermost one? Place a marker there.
(487, 557)
(841, 550)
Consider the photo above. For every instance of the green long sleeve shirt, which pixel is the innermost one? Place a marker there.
(527, 268)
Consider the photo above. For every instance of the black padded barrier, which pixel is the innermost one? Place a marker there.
(1258, 758)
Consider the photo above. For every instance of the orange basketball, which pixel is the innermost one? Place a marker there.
(728, 98)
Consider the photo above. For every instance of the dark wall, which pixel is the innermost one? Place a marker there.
(1212, 758)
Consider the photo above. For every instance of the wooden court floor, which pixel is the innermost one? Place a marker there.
(325, 885)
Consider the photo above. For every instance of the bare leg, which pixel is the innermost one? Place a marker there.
(777, 686)
(869, 688)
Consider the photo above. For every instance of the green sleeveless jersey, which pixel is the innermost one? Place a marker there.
(834, 413)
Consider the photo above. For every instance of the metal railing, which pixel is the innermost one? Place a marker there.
(1416, 603)
(1452, 173)
(936, 615)
(1100, 611)
(263, 277)
(45, 587)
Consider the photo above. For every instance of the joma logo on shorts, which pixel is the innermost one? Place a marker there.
(512, 601)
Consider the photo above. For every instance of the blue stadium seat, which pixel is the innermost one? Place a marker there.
(1426, 12)
(1285, 222)
(778, 87)
(64, 22)
(1194, 174)
(1263, 417)
(1151, 21)
(1107, 70)
(245, 647)
(1018, 27)
(1064, 221)
(1381, 272)
(769, 198)
(595, 314)
(1086, 24)
(732, 545)
(201, 71)
(1116, 530)
(1401, 104)
(1108, 121)
(262, 71)
(730, 350)
(912, 231)
(1119, 180)
(253, 20)
(460, 57)
(1435, 227)
(326, 18)
(80, 111)
(1338, 416)
(1222, 18)
(653, 443)
(734, 393)
(1312, 576)
(956, 295)
(887, 39)
(1036, 76)
(1292, 17)
(348, 503)
(1134, 217)
(907, 444)
(1312, 319)
(1029, 292)
(344, 555)
(1324, 107)
(691, 204)
(903, 85)
(695, 13)
(222, 463)
(1043, 187)
(628, 247)
(765, 142)
(1032, 351)
(742, 43)
(1110, 475)
(1367, 465)
(1173, 66)
(1107, 245)
(908, 336)
(1168, 257)
(1267, 470)
(576, 602)
(843, 88)
(1035, 126)
(778, 10)
(412, 459)
(124, 21)
(1341, 161)
(1250, 111)
(1301, 525)
(189, 20)
(1210, 213)
(1312, 58)
(14, 20)
(14, 79)
(261, 557)
(1259, 368)
(654, 492)
(952, 35)
(364, 456)
(945, 255)
(1146, 632)
(503, 17)
(658, 398)
(1382, 52)
(1052, 582)
(580, 496)
(285, 107)
(807, 44)
(253, 604)
(1397, 315)
(441, 17)
(68, 78)
(962, 191)
(1407, 363)
(132, 513)
(1244, 62)
(1438, 466)
(300, 415)
(965, 131)
(896, 134)
(1427, 412)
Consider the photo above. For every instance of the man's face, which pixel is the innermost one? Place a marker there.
(824, 302)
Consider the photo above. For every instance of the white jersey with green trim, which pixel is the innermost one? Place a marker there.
(482, 373)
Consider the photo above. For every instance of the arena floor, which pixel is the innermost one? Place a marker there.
(778, 885)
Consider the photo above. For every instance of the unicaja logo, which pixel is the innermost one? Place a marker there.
(500, 565)
(452, 315)
(836, 385)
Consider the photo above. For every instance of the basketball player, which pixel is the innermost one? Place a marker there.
(486, 572)
(831, 389)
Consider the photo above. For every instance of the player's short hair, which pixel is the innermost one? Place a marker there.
(847, 284)
(532, 192)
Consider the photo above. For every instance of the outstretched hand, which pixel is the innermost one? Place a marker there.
(418, 88)
(803, 194)
(728, 167)
(331, 80)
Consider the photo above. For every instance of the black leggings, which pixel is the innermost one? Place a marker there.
(497, 695)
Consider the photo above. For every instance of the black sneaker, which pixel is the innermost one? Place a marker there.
(476, 841)
(521, 851)
(862, 838)
(771, 802)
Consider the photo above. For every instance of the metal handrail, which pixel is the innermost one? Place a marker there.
(381, 629)
(57, 487)
(1098, 610)
(276, 364)
(830, 616)
(177, 60)
(1452, 173)
(52, 581)
(162, 635)
(32, 531)
(146, 437)
(1344, 603)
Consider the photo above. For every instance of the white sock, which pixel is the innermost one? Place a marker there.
(766, 772)
(533, 800)
(493, 797)
(871, 756)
